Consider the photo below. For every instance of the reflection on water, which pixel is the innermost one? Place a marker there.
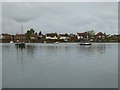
(31, 48)
(60, 65)
(52, 49)
(49, 51)
(93, 48)
(101, 48)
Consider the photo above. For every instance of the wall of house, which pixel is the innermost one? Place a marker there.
(47, 37)
(1, 37)
(63, 37)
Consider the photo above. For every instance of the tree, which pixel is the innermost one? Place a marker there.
(29, 33)
(66, 34)
(40, 33)
(91, 33)
(32, 31)
(36, 33)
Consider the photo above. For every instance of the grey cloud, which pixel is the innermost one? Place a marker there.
(23, 12)
(62, 17)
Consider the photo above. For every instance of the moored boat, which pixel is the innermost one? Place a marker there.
(85, 43)
(20, 44)
(56, 42)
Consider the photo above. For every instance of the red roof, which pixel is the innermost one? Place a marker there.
(82, 34)
(5, 34)
(100, 34)
(51, 34)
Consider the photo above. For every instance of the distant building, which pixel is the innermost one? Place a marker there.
(64, 36)
(1, 36)
(82, 35)
(100, 36)
(51, 36)
(19, 36)
(5, 36)
(115, 37)
(40, 36)
(33, 36)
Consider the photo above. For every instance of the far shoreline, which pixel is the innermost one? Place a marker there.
(61, 42)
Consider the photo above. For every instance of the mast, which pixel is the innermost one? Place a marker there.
(87, 35)
(22, 32)
(22, 28)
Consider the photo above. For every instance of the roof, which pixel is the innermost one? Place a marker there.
(99, 34)
(51, 34)
(5, 34)
(64, 35)
(82, 34)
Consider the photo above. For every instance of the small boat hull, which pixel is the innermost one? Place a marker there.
(56, 42)
(85, 44)
(20, 45)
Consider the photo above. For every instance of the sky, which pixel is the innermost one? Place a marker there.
(60, 17)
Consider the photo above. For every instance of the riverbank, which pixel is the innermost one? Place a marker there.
(58, 41)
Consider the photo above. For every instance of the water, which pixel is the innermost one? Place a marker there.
(64, 65)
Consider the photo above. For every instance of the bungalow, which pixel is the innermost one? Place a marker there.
(19, 36)
(5, 36)
(40, 36)
(82, 35)
(64, 36)
(100, 36)
(51, 36)
(33, 36)
(115, 37)
(1, 36)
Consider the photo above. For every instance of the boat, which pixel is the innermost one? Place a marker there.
(56, 42)
(85, 43)
(20, 44)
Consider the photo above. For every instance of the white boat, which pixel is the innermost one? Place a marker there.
(56, 42)
(85, 43)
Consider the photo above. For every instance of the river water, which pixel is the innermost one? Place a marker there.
(64, 65)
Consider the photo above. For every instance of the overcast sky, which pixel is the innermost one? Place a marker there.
(66, 17)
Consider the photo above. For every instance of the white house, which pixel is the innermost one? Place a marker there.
(1, 36)
(51, 36)
(64, 36)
